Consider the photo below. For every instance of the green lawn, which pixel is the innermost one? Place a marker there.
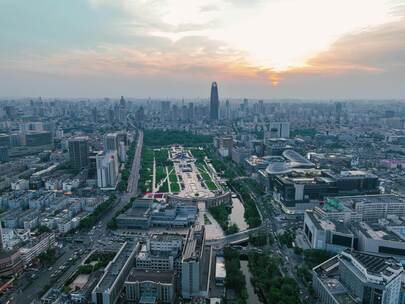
(160, 174)
(160, 156)
(174, 185)
(207, 178)
(146, 170)
(164, 187)
(210, 185)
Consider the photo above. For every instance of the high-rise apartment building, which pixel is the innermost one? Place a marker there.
(116, 142)
(279, 130)
(79, 152)
(111, 142)
(107, 169)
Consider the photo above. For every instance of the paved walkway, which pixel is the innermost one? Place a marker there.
(213, 230)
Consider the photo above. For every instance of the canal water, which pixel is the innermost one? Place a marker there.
(237, 213)
(252, 297)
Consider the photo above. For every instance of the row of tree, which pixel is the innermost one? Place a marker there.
(274, 288)
(100, 210)
(221, 215)
(251, 214)
(112, 224)
(123, 185)
(235, 279)
(159, 138)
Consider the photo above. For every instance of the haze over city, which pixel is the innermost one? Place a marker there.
(260, 49)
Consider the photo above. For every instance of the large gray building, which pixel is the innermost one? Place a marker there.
(39, 138)
(354, 277)
(109, 288)
(143, 286)
(371, 223)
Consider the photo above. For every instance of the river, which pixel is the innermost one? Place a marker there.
(252, 297)
(237, 213)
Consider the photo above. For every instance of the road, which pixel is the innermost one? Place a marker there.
(44, 279)
(89, 239)
(132, 189)
(134, 177)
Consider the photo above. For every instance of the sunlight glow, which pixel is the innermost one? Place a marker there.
(276, 35)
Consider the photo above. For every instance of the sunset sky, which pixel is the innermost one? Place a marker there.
(176, 48)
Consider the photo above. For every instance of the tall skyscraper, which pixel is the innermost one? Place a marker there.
(123, 102)
(214, 102)
(261, 107)
(79, 152)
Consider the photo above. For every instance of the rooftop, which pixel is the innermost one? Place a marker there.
(194, 244)
(293, 160)
(383, 269)
(348, 203)
(352, 174)
(374, 264)
(220, 271)
(115, 267)
(329, 224)
(378, 232)
(167, 237)
(135, 275)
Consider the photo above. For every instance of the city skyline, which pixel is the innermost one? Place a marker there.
(172, 49)
(205, 151)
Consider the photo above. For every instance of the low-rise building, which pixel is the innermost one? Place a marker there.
(145, 214)
(11, 263)
(220, 271)
(36, 246)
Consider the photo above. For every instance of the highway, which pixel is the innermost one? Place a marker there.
(89, 239)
